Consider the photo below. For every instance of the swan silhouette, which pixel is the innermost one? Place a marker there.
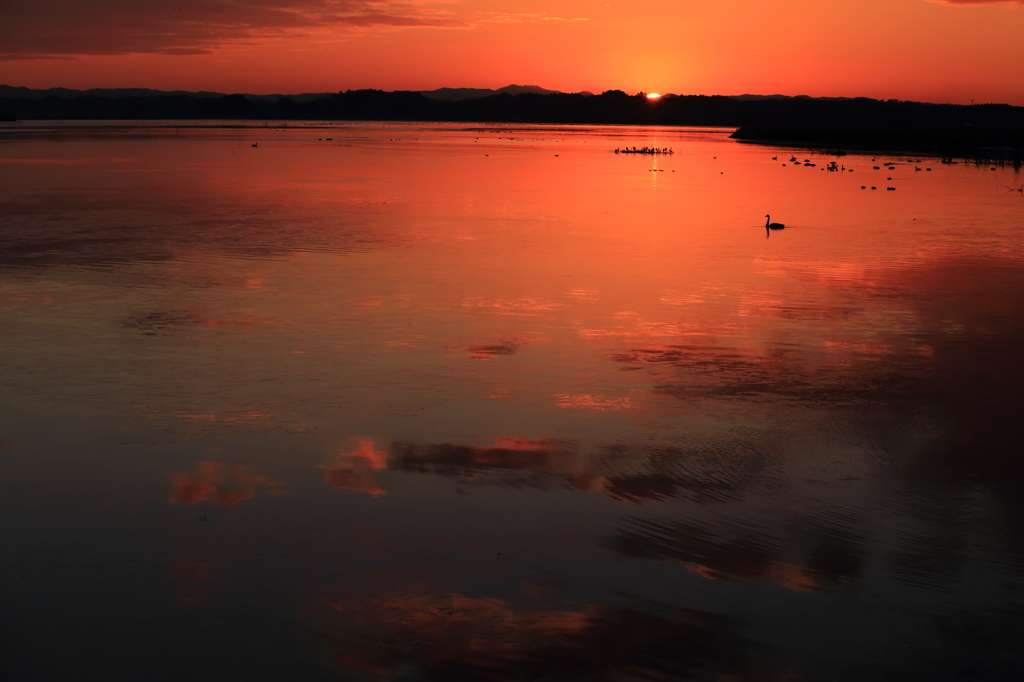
(772, 226)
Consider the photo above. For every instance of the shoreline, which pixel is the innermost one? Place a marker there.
(996, 147)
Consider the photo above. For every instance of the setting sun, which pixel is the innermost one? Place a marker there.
(654, 95)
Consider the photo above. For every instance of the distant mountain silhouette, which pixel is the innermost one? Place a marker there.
(526, 89)
(461, 94)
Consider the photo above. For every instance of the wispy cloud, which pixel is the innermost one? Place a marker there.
(520, 18)
(59, 28)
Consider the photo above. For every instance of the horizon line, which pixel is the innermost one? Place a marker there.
(511, 85)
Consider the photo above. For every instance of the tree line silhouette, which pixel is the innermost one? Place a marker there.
(857, 122)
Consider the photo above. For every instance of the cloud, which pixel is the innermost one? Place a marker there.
(521, 18)
(60, 28)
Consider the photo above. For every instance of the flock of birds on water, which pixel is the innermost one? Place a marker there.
(835, 167)
(831, 167)
(652, 151)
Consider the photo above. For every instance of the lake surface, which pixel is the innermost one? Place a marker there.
(464, 402)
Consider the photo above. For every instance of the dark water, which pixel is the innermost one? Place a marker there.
(493, 403)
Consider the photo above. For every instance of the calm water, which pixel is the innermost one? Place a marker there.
(464, 402)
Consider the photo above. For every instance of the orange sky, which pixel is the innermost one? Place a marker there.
(926, 50)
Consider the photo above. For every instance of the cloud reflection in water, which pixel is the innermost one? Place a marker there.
(220, 483)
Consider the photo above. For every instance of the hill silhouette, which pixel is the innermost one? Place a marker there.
(460, 94)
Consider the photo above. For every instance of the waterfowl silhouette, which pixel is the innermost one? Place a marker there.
(769, 225)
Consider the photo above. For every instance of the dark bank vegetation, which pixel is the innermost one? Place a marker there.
(859, 123)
